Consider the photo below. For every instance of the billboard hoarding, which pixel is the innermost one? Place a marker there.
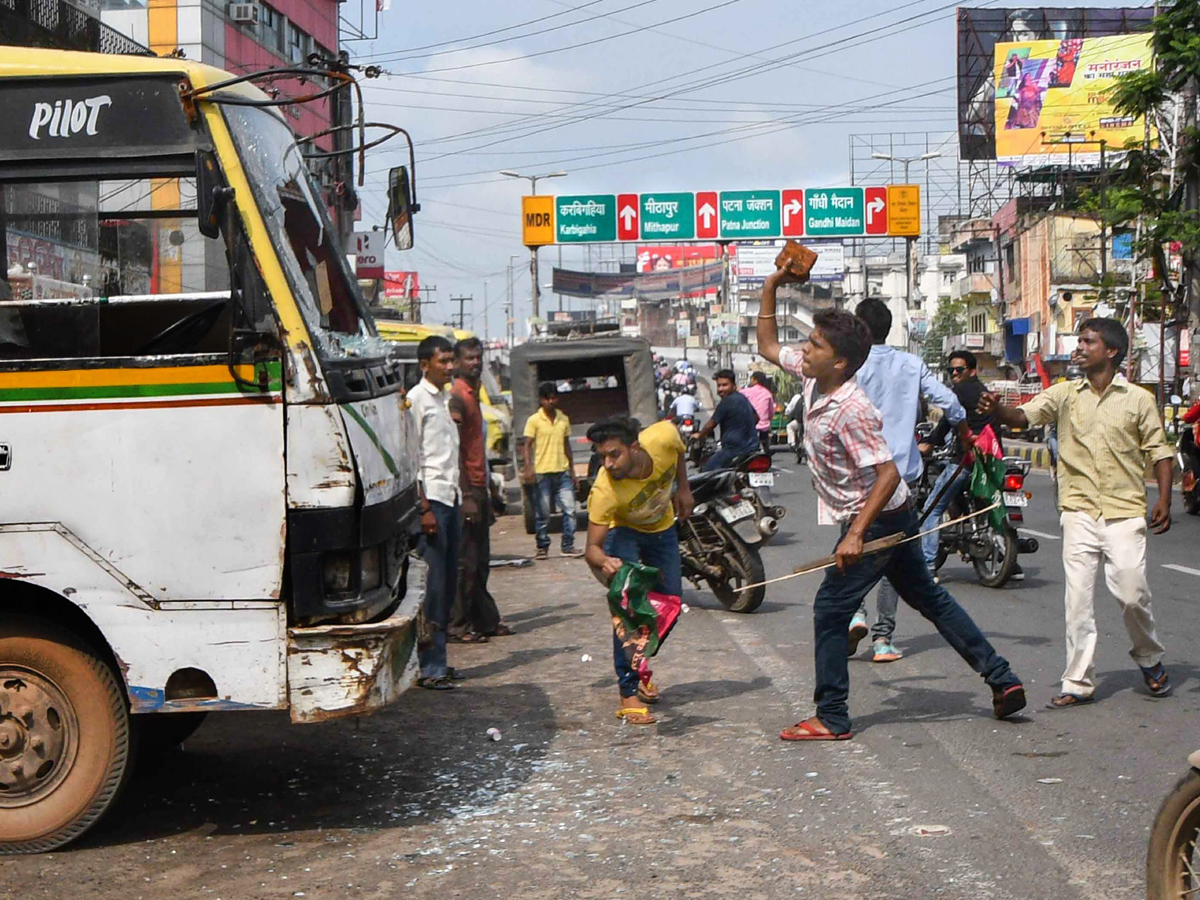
(1052, 100)
(750, 264)
(979, 30)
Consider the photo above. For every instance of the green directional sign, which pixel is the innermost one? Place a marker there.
(833, 212)
(585, 218)
(668, 217)
(749, 215)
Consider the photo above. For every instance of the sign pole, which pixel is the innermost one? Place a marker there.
(533, 275)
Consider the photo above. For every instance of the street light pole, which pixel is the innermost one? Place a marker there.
(533, 251)
(908, 242)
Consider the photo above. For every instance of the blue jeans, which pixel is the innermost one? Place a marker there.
(660, 550)
(841, 593)
(929, 543)
(562, 485)
(886, 602)
(440, 552)
(724, 457)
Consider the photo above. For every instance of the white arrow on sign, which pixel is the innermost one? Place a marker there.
(707, 213)
(628, 214)
(874, 206)
(791, 209)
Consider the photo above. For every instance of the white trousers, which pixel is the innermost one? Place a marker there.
(1120, 544)
(793, 431)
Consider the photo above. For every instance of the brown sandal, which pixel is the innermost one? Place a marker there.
(812, 730)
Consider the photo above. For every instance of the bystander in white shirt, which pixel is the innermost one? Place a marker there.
(438, 440)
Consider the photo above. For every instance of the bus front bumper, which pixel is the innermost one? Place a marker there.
(348, 670)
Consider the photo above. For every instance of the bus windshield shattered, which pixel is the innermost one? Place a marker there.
(303, 236)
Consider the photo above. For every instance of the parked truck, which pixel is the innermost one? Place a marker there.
(598, 377)
(205, 459)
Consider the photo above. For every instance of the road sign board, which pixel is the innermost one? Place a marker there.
(904, 210)
(537, 221)
(793, 213)
(833, 212)
(707, 219)
(668, 217)
(580, 218)
(627, 217)
(749, 215)
(876, 211)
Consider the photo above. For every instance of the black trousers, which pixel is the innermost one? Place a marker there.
(474, 608)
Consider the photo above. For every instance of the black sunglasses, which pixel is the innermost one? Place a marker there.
(955, 369)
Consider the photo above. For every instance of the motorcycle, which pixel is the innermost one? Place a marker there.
(1187, 454)
(718, 542)
(1170, 869)
(993, 552)
(754, 479)
(687, 425)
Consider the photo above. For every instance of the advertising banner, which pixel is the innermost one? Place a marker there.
(1052, 104)
(659, 285)
(752, 263)
(401, 285)
(660, 258)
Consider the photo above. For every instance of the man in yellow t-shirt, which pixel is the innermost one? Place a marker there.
(631, 518)
(549, 471)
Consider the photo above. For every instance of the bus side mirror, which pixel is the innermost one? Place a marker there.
(401, 207)
(213, 196)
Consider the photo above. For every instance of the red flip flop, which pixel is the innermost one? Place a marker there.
(808, 731)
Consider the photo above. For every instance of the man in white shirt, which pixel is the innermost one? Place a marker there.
(441, 496)
(683, 405)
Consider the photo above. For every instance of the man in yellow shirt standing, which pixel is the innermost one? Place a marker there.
(632, 509)
(548, 468)
(1108, 430)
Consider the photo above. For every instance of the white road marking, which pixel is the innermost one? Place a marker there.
(782, 469)
(1184, 569)
(1041, 534)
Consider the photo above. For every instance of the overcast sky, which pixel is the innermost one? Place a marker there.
(662, 95)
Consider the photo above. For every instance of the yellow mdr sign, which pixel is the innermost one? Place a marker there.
(537, 221)
(904, 210)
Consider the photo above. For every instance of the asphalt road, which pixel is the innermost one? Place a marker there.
(932, 797)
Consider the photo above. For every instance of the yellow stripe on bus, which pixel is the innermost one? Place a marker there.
(105, 377)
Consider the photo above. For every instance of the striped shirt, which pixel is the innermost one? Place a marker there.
(843, 435)
(1104, 444)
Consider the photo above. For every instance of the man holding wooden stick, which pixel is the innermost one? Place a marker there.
(859, 488)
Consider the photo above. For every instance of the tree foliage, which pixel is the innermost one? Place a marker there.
(1141, 185)
(951, 318)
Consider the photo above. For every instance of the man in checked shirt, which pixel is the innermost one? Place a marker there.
(859, 488)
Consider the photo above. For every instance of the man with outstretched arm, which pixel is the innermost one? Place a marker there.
(632, 509)
(1108, 430)
(859, 487)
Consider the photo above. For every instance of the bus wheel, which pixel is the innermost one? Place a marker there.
(64, 736)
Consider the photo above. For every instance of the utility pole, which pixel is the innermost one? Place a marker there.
(417, 302)
(533, 251)
(462, 301)
(908, 242)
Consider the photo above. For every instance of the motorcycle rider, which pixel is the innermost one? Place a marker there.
(964, 379)
(683, 405)
(738, 421)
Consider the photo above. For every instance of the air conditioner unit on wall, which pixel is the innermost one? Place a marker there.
(243, 12)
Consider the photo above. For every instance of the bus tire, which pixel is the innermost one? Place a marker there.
(65, 738)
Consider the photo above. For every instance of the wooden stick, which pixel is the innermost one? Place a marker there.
(874, 546)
